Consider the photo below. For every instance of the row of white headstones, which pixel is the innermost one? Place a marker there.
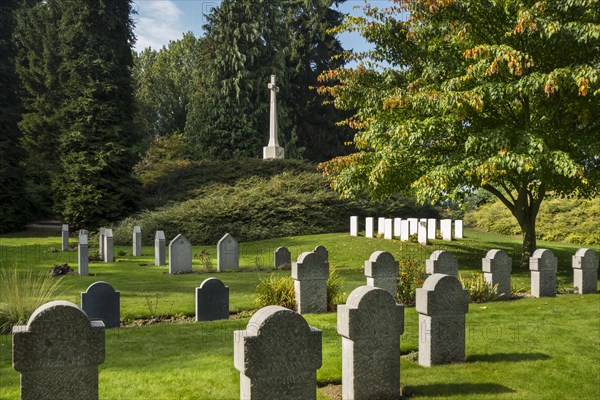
(424, 228)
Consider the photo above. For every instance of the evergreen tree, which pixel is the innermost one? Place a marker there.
(12, 208)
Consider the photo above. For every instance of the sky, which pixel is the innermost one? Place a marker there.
(158, 21)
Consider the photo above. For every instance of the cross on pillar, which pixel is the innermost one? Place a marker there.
(273, 150)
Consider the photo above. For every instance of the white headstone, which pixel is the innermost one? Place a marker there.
(180, 255)
(422, 232)
(412, 226)
(404, 230)
(273, 150)
(388, 231)
(446, 229)
(109, 251)
(228, 258)
(65, 237)
(137, 241)
(369, 227)
(380, 225)
(82, 254)
(353, 226)
(585, 271)
(397, 222)
(458, 229)
(101, 235)
(431, 228)
(159, 249)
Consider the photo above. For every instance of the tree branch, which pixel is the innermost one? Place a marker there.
(500, 196)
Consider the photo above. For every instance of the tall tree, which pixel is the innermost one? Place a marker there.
(12, 207)
(501, 95)
(95, 183)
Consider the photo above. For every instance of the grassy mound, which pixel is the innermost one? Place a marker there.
(567, 220)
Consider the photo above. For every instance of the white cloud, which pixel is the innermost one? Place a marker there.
(157, 22)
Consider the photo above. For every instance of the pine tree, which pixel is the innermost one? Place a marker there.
(12, 207)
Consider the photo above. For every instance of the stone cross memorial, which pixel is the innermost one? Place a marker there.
(442, 304)
(228, 258)
(369, 227)
(273, 150)
(58, 352)
(137, 241)
(101, 235)
(282, 258)
(431, 228)
(353, 226)
(370, 324)
(381, 271)
(497, 266)
(446, 229)
(65, 237)
(109, 250)
(82, 254)
(543, 266)
(101, 301)
(159, 249)
(585, 271)
(310, 275)
(212, 300)
(180, 255)
(441, 262)
(277, 356)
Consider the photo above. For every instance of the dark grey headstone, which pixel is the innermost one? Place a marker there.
(102, 302)
(212, 300)
(283, 258)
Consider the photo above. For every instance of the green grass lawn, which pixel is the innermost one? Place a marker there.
(522, 349)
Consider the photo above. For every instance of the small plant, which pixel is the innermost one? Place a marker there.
(60, 269)
(479, 290)
(94, 256)
(335, 294)
(259, 262)
(414, 238)
(412, 276)
(205, 261)
(152, 304)
(22, 294)
(275, 290)
(122, 253)
(53, 249)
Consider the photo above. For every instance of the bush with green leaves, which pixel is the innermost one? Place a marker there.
(479, 290)
(412, 276)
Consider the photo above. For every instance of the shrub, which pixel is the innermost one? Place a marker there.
(412, 276)
(479, 290)
(22, 294)
(335, 293)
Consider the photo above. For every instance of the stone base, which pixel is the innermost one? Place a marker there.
(295, 385)
(441, 339)
(386, 283)
(503, 282)
(543, 283)
(585, 280)
(311, 296)
(273, 152)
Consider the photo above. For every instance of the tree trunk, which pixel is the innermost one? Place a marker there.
(529, 239)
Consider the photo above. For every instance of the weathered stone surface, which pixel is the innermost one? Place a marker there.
(422, 232)
(442, 304)
(278, 356)
(65, 237)
(388, 230)
(497, 266)
(404, 230)
(322, 252)
(101, 234)
(354, 226)
(543, 266)
(310, 275)
(380, 225)
(370, 324)
(585, 271)
(431, 228)
(180, 255)
(228, 258)
(58, 353)
(82, 254)
(101, 301)
(109, 250)
(446, 229)
(160, 258)
(212, 300)
(441, 262)
(413, 226)
(397, 222)
(458, 229)
(381, 271)
(137, 241)
(282, 258)
(369, 227)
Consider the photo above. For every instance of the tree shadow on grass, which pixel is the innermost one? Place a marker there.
(507, 357)
(453, 389)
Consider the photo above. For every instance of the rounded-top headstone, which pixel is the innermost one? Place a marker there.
(442, 295)
(310, 266)
(100, 288)
(322, 252)
(44, 318)
(497, 261)
(585, 259)
(381, 264)
(441, 262)
(212, 284)
(543, 260)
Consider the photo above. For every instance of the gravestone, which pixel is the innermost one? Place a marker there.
(441, 262)
(322, 252)
(446, 229)
(137, 241)
(65, 237)
(543, 266)
(101, 235)
(458, 229)
(109, 250)
(58, 352)
(369, 227)
(382, 271)
(412, 226)
(160, 258)
(404, 230)
(212, 300)
(228, 258)
(585, 271)
(397, 222)
(431, 228)
(310, 275)
(422, 232)
(353, 226)
(180, 255)
(282, 258)
(497, 266)
(273, 150)
(101, 301)
(370, 324)
(82, 254)
(278, 356)
(442, 304)
(388, 230)
(380, 225)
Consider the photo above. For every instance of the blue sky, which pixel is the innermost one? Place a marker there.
(159, 21)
